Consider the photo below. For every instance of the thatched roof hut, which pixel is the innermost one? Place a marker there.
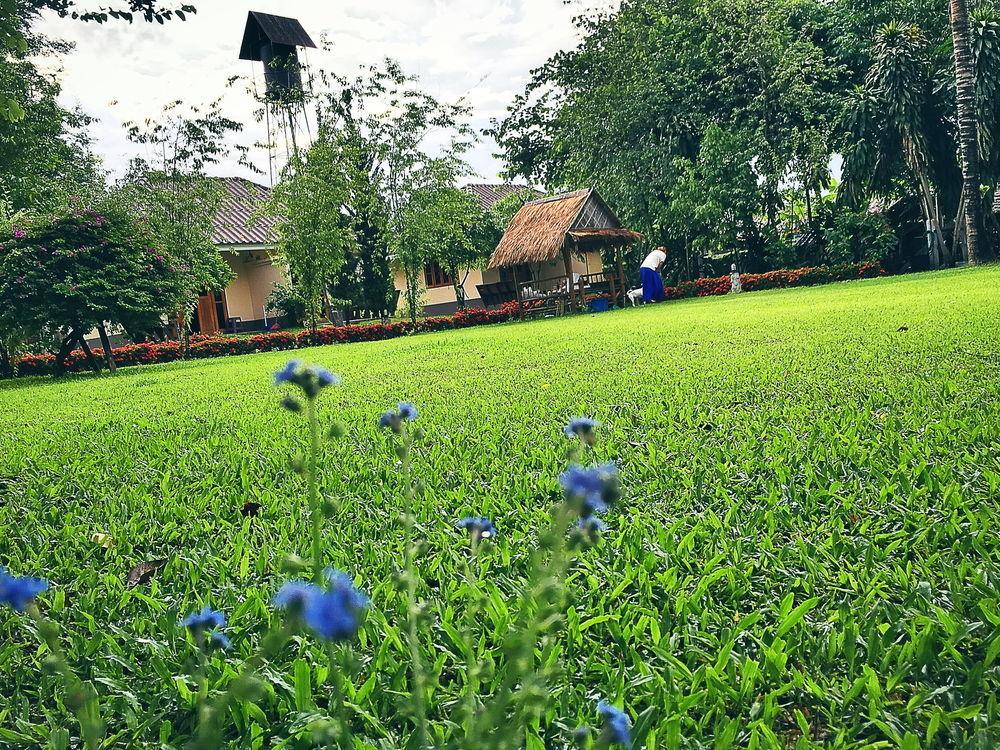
(547, 228)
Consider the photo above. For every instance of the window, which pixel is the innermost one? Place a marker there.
(434, 276)
(520, 273)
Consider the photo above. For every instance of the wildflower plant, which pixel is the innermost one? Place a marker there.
(20, 593)
(501, 695)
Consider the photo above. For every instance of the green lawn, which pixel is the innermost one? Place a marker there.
(835, 443)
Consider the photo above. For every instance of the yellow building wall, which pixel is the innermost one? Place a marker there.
(587, 263)
(256, 276)
(440, 295)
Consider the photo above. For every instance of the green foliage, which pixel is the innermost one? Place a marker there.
(389, 158)
(45, 161)
(445, 225)
(286, 298)
(803, 556)
(75, 271)
(174, 200)
(629, 111)
(858, 236)
(314, 234)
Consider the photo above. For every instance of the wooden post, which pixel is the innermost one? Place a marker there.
(621, 275)
(517, 296)
(568, 260)
(112, 365)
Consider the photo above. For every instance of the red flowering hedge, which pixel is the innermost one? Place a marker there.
(755, 282)
(203, 347)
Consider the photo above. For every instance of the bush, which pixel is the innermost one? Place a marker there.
(285, 298)
(858, 237)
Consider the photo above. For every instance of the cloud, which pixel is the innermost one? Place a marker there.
(482, 50)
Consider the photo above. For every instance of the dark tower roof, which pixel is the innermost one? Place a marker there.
(275, 29)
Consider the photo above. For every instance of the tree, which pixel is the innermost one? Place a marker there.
(314, 234)
(892, 123)
(74, 272)
(986, 45)
(968, 128)
(45, 157)
(461, 234)
(424, 228)
(388, 159)
(176, 201)
(648, 82)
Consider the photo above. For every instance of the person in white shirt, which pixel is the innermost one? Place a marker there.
(649, 274)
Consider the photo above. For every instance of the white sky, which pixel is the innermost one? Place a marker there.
(480, 49)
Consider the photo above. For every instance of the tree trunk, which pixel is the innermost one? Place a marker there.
(91, 359)
(106, 343)
(6, 361)
(65, 348)
(968, 130)
(459, 287)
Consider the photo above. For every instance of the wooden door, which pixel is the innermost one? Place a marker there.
(208, 319)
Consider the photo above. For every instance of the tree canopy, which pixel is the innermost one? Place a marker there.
(75, 271)
(704, 122)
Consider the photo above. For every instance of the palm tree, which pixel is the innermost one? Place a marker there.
(887, 125)
(968, 129)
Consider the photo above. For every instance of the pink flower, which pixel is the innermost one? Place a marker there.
(19, 233)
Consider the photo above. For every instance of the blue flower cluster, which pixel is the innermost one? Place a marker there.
(584, 428)
(209, 622)
(617, 726)
(333, 614)
(591, 489)
(311, 379)
(393, 420)
(478, 528)
(19, 592)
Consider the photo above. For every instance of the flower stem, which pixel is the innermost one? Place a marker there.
(312, 481)
(419, 692)
(81, 697)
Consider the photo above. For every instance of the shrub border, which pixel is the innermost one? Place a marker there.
(205, 347)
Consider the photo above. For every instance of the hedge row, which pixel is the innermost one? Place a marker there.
(203, 347)
(755, 282)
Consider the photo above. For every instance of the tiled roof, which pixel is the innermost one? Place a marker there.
(489, 194)
(233, 224)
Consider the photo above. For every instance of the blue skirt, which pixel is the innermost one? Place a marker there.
(652, 285)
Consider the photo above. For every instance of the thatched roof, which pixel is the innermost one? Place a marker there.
(538, 232)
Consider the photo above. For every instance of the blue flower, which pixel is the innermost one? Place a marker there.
(594, 488)
(389, 419)
(407, 411)
(287, 373)
(19, 592)
(335, 614)
(591, 525)
(617, 724)
(325, 377)
(293, 596)
(581, 427)
(478, 528)
(207, 619)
